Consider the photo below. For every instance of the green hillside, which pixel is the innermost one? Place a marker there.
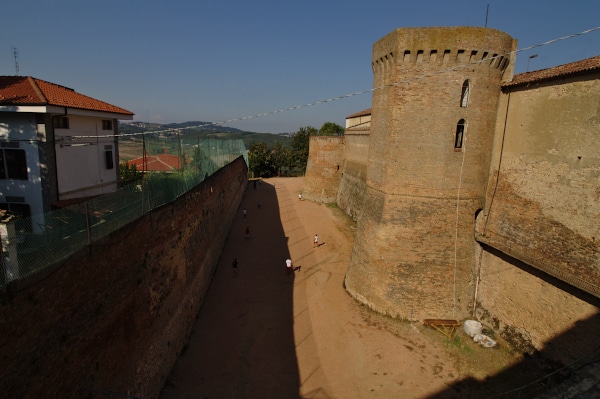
(193, 131)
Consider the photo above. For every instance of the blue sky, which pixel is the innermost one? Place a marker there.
(217, 60)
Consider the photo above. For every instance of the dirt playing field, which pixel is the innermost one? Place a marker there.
(264, 333)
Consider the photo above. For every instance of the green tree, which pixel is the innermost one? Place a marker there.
(128, 173)
(331, 129)
(260, 158)
(300, 143)
(280, 156)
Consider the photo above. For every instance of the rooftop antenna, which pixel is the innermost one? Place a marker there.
(487, 10)
(15, 52)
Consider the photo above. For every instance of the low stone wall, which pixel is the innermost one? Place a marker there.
(116, 316)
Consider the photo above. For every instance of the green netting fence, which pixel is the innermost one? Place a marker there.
(39, 242)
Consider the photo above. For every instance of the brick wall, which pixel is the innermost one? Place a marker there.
(414, 249)
(532, 311)
(323, 169)
(542, 211)
(543, 199)
(115, 316)
(353, 183)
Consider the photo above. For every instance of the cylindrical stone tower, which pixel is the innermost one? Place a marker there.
(434, 106)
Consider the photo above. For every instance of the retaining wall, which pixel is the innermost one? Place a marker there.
(115, 316)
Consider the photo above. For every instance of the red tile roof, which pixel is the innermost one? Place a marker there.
(364, 112)
(25, 90)
(157, 163)
(589, 64)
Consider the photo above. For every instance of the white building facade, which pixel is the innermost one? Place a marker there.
(56, 145)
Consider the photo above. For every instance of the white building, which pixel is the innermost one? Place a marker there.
(56, 145)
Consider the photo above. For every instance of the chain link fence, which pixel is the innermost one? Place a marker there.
(34, 244)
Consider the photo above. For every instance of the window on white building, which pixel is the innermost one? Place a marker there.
(61, 122)
(106, 124)
(108, 157)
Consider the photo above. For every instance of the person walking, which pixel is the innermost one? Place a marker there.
(288, 265)
(316, 241)
(244, 213)
(247, 232)
(299, 196)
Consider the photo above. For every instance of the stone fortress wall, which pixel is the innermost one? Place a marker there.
(471, 185)
(325, 168)
(422, 192)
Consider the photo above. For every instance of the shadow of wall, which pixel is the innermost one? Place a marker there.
(243, 341)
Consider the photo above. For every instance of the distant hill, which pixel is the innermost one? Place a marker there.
(198, 129)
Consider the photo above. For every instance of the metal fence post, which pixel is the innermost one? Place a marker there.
(87, 223)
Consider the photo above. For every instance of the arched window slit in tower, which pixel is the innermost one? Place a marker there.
(464, 95)
(460, 133)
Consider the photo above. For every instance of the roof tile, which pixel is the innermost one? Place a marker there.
(157, 163)
(25, 90)
(589, 64)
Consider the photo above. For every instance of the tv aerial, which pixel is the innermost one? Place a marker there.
(15, 53)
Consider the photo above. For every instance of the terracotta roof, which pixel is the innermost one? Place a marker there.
(588, 64)
(25, 90)
(157, 163)
(360, 113)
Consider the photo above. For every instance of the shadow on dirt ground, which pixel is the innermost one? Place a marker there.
(242, 345)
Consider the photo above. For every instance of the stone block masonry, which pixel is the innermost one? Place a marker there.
(115, 316)
(323, 169)
(414, 246)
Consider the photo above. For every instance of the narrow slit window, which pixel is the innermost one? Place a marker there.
(464, 95)
(460, 134)
(108, 157)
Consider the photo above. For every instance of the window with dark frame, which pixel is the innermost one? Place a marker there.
(13, 164)
(61, 122)
(108, 157)
(460, 133)
(106, 124)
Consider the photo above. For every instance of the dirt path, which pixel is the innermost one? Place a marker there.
(266, 334)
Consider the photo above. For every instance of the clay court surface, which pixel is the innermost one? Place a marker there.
(267, 334)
